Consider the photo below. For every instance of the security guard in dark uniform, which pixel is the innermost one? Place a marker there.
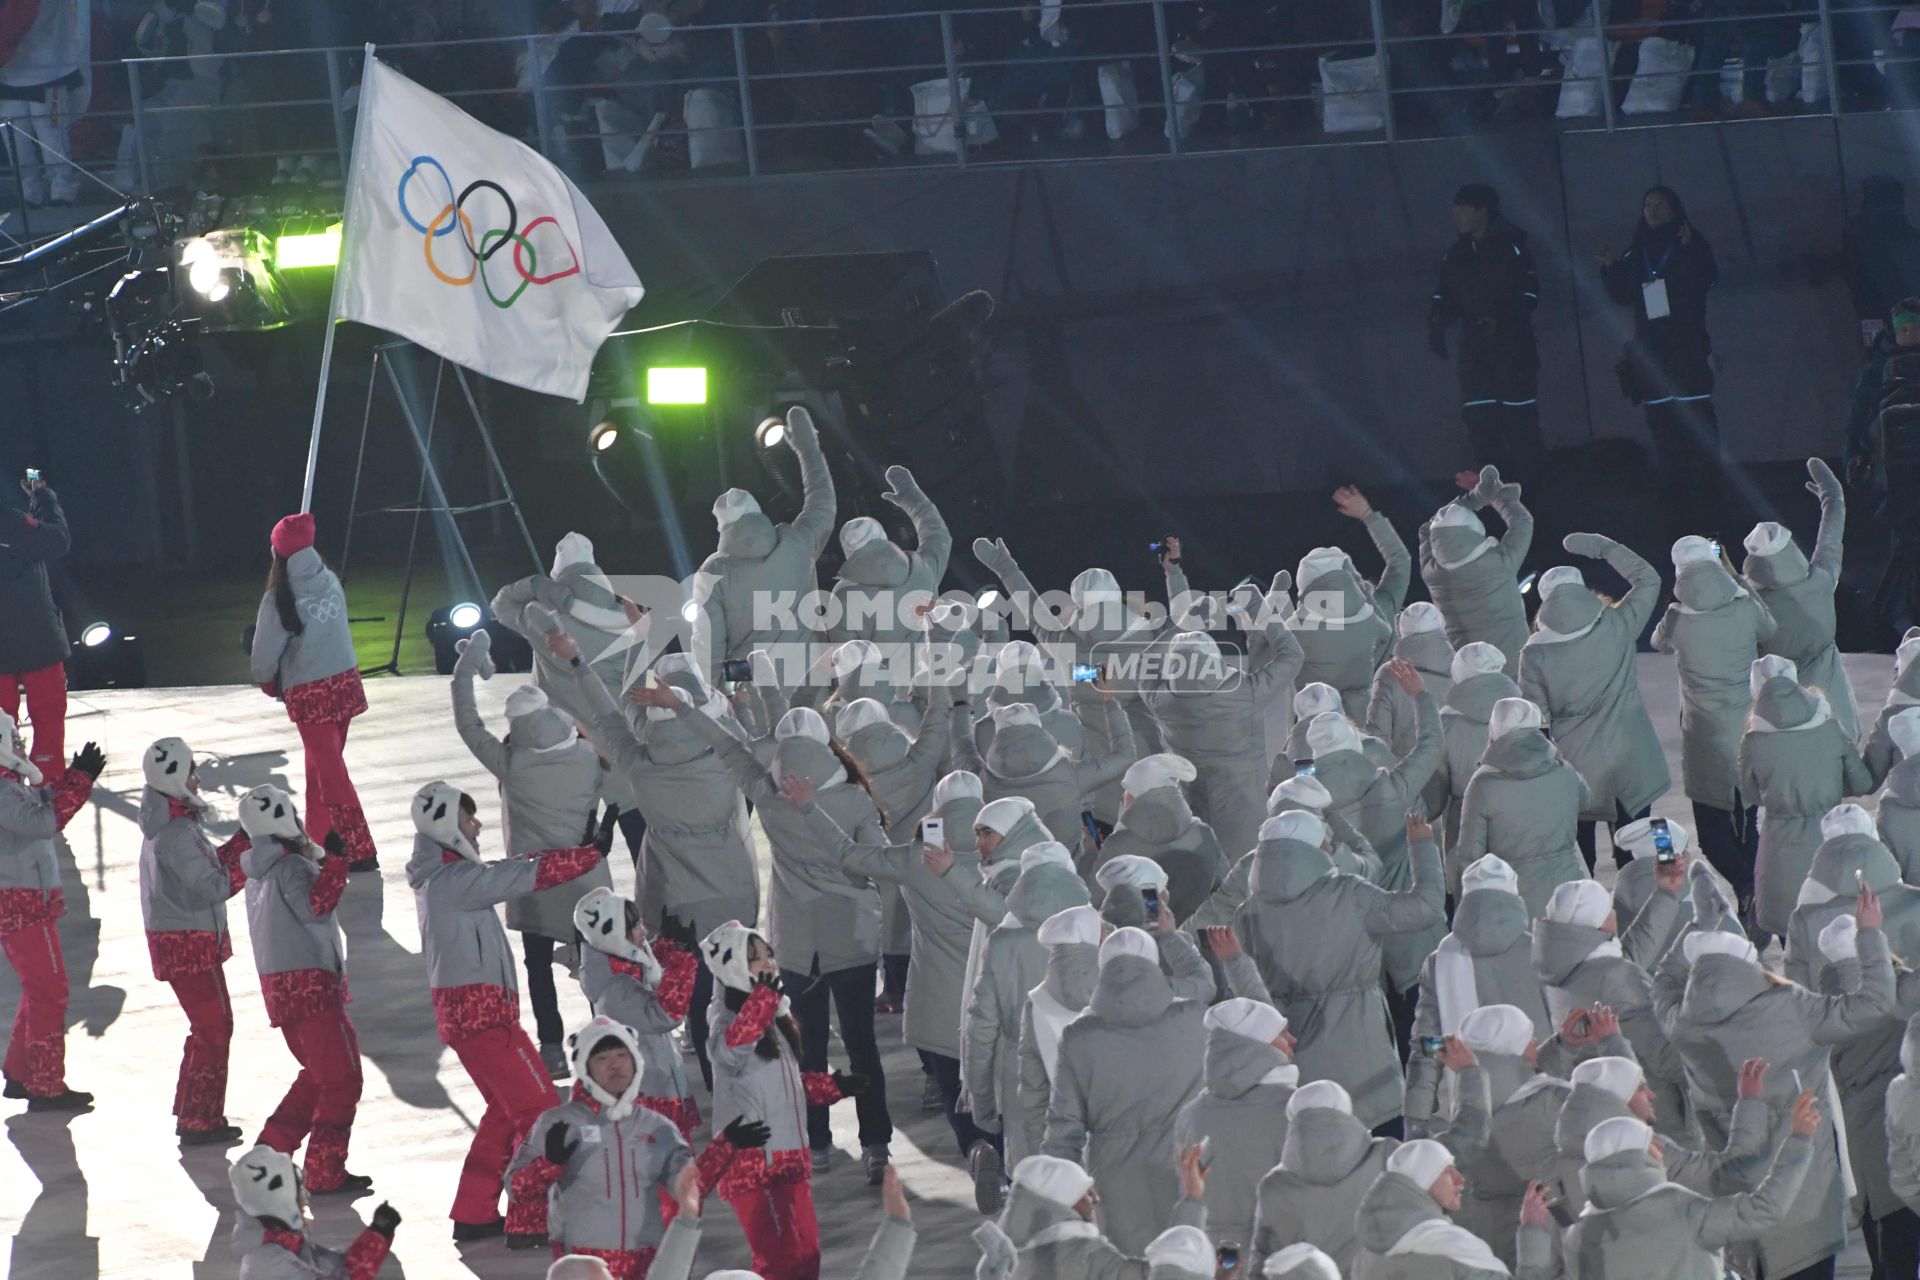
(1488, 286)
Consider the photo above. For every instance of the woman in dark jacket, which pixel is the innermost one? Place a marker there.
(1664, 276)
(33, 643)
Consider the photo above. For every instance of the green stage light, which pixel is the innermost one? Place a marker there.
(676, 386)
(312, 249)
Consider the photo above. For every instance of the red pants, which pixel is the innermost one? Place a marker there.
(320, 1104)
(37, 1050)
(332, 803)
(782, 1231)
(200, 1099)
(503, 1063)
(47, 707)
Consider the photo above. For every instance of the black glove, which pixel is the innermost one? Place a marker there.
(849, 1084)
(385, 1219)
(746, 1135)
(603, 838)
(1437, 339)
(90, 760)
(559, 1150)
(333, 844)
(674, 929)
(770, 980)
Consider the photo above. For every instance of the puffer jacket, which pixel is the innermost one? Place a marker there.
(699, 867)
(1899, 817)
(1050, 1241)
(470, 968)
(1394, 1206)
(1026, 761)
(1903, 1121)
(1344, 624)
(1478, 591)
(1012, 964)
(1524, 802)
(1638, 1223)
(1738, 1166)
(1328, 1159)
(1796, 764)
(1725, 1010)
(295, 1255)
(1716, 628)
(1072, 968)
(548, 786)
(1158, 824)
(877, 585)
(1799, 593)
(1492, 944)
(1589, 688)
(617, 989)
(30, 819)
(749, 1086)
(1880, 752)
(296, 941)
(1351, 854)
(184, 886)
(608, 1193)
(760, 560)
(324, 648)
(902, 769)
(1119, 1124)
(1463, 741)
(1241, 1114)
(1324, 973)
(1519, 1150)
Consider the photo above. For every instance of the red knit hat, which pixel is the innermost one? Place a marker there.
(294, 533)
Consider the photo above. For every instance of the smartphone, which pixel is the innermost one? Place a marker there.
(1303, 768)
(933, 831)
(33, 475)
(1557, 1206)
(738, 670)
(1152, 897)
(1431, 1045)
(1085, 673)
(1227, 1256)
(1860, 881)
(1663, 850)
(1716, 547)
(1526, 583)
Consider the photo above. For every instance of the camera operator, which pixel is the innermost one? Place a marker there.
(33, 639)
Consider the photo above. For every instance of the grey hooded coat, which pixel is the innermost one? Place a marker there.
(1072, 968)
(1589, 686)
(1052, 1242)
(1127, 1065)
(1716, 629)
(1315, 934)
(1726, 1010)
(1899, 817)
(1345, 653)
(1491, 929)
(1392, 1206)
(1463, 741)
(1027, 761)
(1159, 825)
(1524, 803)
(1480, 598)
(1242, 1116)
(1799, 593)
(1519, 1150)
(876, 584)
(1392, 713)
(1738, 1166)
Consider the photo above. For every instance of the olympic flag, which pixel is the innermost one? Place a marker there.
(473, 245)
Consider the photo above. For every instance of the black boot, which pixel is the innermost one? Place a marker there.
(468, 1232)
(67, 1100)
(209, 1137)
(354, 1184)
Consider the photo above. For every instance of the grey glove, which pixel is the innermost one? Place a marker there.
(1483, 493)
(1594, 546)
(1710, 905)
(902, 490)
(800, 428)
(1824, 481)
(1508, 492)
(993, 556)
(476, 657)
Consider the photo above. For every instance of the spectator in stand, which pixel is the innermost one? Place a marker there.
(1489, 287)
(1752, 29)
(43, 86)
(1879, 254)
(33, 642)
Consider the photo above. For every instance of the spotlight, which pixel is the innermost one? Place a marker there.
(450, 624)
(465, 616)
(676, 386)
(107, 659)
(308, 249)
(690, 610)
(771, 432)
(230, 279)
(603, 436)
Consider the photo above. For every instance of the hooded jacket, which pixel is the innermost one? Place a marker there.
(296, 941)
(1736, 1167)
(1903, 1121)
(1477, 585)
(1328, 1159)
(1072, 968)
(1799, 593)
(324, 648)
(1119, 1123)
(1012, 964)
(757, 558)
(901, 772)
(470, 968)
(1052, 1242)
(1721, 1010)
(1241, 1114)
(184, 886)
(1463, 741)
(1351, 854)
(823, 918)
(1880, 752)
(1589, 687)
(1524, 802)
(1898, 817)
(30, 540)
(1396, 1205)
(1519, 1150)
(878, 581)
(1638, 1223)
(1344, 624)
(1299, 927)
(1492, 944)
(1392, 715)
(264, 1258)
(1159, 824)
(1026, 761)
(1715, 628)
(699, 867)
(618, 989)
(1375, 800)
(549, 780)
(607, 1195)
(1796, 764)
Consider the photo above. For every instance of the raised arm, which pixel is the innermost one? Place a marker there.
(1415, 769)
(1188, 971)
(756, 781)
(1643, 580)
(1747, 1217)
(1091, 775)
(1839, 1018)
(1829, 542)
(486, 748)
(817, 509)
(933, 542)
(40, 532)
(1387, 911)
(891, 862)
(1397, 574)
(468, 886)
(997, 560)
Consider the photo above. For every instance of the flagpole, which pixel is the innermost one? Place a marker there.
(356, 158)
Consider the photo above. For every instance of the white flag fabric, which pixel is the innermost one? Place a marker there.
(473, 245)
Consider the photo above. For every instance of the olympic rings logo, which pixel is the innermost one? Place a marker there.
(453, 216)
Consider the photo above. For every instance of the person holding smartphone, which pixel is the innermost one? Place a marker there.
(33, 643)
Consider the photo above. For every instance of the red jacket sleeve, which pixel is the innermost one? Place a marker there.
(229, 855)
(678, 970)
(820, 1088)
(326, 892)
(755, 1016)
(713, 1163)
(557, 866)
(70, 796)
(531, 1180)
(366, 1253)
